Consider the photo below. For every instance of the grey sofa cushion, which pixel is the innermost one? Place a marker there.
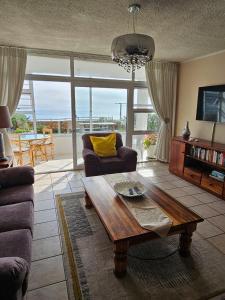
(16, 216)
(16, 194)
(16, 176)
(13, 275)
(16, 243)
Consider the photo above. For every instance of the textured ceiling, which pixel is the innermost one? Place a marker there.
(182, 29)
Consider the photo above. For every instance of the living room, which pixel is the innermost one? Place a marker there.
(112, 150)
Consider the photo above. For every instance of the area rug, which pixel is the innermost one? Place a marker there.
(155, 270)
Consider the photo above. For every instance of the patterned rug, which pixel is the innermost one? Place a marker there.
(155, 269)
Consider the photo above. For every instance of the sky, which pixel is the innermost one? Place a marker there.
(52, 101)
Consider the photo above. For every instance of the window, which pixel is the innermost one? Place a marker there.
(146, 124)
(140, 74)
(142, 99)
(100, 92)
(92, 69)
(46, 104)
(43, 65)
(99, 110)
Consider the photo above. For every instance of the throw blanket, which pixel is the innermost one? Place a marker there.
(148, 214)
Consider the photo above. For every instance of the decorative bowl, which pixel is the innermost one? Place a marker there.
(129, 188)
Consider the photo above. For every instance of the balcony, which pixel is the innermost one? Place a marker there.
(61, 138)
(63, 141)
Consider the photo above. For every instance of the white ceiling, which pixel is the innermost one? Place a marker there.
(182, 29)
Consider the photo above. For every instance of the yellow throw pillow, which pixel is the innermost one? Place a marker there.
(104, 146)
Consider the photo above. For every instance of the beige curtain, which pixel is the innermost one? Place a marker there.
(12, 73)
(162, 85)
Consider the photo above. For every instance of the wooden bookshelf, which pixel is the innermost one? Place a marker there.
(216, 166)
(186, 164)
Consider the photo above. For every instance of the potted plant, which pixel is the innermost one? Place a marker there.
(150, 144)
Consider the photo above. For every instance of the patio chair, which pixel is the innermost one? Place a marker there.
(49, 145)
(38, 151)
(125, 161)
(21, 150)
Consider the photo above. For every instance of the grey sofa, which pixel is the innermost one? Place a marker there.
(16, 227)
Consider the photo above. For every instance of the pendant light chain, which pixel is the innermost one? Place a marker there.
(133, 17)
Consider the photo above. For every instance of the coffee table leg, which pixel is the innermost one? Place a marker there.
(88, 203)
(120, 258)
(185, 240)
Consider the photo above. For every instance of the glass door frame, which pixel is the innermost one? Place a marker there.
(103, 83)
(129, 85)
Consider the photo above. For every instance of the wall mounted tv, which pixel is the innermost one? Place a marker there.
(211, 103)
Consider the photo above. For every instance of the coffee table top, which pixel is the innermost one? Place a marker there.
(117, 219)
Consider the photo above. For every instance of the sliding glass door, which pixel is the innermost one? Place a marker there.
(46, 105)
(145, 125)
(99, 110)
(73, 96)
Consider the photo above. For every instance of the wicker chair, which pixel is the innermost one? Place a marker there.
(21, 151)
(49, 144)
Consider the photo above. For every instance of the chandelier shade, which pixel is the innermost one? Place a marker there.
(133, 50)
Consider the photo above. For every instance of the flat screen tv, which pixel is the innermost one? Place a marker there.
(211, 103)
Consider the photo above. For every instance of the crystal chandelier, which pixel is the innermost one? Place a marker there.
(132, 51)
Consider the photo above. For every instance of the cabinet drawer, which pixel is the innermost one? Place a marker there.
(192, 175)
(212, 184)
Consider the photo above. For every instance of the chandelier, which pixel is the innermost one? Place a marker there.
(132, 51)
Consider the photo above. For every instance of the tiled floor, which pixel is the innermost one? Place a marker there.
(47, 279)
(56, 165)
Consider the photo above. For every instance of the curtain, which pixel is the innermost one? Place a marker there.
(162, 86)
(12, 73)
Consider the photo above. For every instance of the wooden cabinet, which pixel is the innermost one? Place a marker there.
(212, 184)
(177, 152)
(194, 165)
(193, 175)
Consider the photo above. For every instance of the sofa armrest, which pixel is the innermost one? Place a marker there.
(92, 163)
(126, 153)
(16, 176)
(13, 273)
(90, 156)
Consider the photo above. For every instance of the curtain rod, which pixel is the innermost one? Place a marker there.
(50, 52)
(77, 55)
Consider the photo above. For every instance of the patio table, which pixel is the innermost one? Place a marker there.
(30, 137)
(33, 140)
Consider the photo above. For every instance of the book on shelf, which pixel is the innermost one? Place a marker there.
(217, 175)
(214, 156)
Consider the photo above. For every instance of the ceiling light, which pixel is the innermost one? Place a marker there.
(132, 51)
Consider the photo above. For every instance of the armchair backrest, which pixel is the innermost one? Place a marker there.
(87, 142)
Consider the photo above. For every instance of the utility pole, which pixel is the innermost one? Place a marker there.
(120, 104)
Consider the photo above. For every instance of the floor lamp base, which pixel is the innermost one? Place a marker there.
(3, 159)
(2, 149)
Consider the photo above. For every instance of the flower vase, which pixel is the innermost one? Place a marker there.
(186, 132)
(151, 151)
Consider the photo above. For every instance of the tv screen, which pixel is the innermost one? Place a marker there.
(211, 103)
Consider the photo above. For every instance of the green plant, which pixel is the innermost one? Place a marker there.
(19, 130)
(20, 122)
(153, 122)
(40, 128)
(149, 139)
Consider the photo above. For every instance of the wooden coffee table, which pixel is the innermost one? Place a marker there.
(122, 227)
